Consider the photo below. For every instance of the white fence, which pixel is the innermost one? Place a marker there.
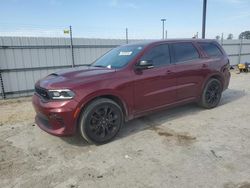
(24, 60)
(237, 50)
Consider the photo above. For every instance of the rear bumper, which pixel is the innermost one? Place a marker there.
(55, 117)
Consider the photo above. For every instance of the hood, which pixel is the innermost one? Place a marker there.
(70, 77)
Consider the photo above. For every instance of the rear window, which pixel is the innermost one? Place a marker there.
(185, 52)
(211, 49)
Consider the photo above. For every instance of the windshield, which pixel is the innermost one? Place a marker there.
(118, 57)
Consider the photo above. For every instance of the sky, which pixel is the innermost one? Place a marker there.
(109, 18)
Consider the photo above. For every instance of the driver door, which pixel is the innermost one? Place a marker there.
(155, 87)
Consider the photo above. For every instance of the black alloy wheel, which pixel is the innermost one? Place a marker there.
(101, 121)
(211, 94)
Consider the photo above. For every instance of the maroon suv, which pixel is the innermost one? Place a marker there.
(130, 81)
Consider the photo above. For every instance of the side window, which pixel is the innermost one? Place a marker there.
(185, 52)
(159, 55)
(211, 49)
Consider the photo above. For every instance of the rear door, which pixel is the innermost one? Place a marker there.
(216, 59)
(155, 87)
(189, 70)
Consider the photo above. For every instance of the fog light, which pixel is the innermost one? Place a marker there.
(54, 116)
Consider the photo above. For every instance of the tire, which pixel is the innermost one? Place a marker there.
(211, 94)
(101, 120)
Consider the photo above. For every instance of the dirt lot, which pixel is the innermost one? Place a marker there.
(182, 147)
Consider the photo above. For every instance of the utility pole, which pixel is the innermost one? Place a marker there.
(166, 34)
(222, 38)
(126, 35)
(71, 46)
(163, 29)
(204, 19)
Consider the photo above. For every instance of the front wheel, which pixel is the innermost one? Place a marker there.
(211, 94)
(100, 121)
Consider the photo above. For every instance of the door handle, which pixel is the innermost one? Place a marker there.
(169, 72)
(204, 65)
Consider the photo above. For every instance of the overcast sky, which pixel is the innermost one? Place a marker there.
(109, 18)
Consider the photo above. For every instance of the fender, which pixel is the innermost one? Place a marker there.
(102, 93)
(217, 75)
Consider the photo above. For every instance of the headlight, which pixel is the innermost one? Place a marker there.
(61, 94)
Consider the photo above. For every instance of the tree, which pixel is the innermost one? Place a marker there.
(244, 35)
(230, 36)
(217, 37)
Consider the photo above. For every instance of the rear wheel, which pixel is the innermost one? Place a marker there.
(101, 121)
(211, 94)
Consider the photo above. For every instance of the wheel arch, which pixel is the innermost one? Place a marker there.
(218, 77)
(215, 76)
(112, 97)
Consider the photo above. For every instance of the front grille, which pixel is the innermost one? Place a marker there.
(42, 92)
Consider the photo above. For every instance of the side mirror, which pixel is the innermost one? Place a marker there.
(144, 64)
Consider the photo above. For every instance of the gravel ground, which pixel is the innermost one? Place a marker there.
(183, 147)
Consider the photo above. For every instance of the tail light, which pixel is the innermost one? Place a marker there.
(226, 67)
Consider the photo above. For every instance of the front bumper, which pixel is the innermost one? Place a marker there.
(56, 117)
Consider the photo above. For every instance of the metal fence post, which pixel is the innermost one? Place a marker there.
(222, 39)
(2, 86)
(240, 49)
(71, 46)
(126, 35)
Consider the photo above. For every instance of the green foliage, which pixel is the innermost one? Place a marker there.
(217, 37)
(245, 35)
(230, 36)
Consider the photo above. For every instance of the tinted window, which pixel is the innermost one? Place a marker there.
(185, 52)
(159, 55)
(211, 49)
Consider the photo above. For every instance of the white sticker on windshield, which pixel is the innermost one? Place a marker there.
(125, 53)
